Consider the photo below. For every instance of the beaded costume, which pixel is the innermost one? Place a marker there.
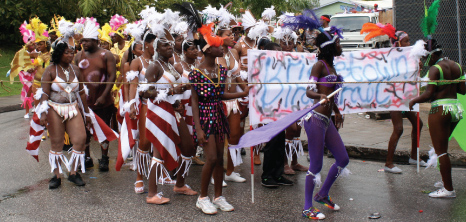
(211, 114)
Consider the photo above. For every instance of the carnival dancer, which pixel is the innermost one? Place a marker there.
(97, 65)
(43, 47)
(66, 98)
(135, 75)
(178, 30)
(118, 25)
(445, 112)
(188, 63)
(397, 39)
(287, 38)
(22, 66)
(230, 61)
(210, 122)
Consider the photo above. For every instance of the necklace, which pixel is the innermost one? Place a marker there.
(171, 69)
(190, 66)
(66, 72)
(213, 73)
(245, 42)
(148, 61)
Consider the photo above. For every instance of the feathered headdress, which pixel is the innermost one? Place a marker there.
(269, 13)
(91, 30)
(209, 15)
(39, 29)
(171, 18)
(225, 19)
(308, 20)
(66, 28)
(194, 20)
(378, 29)
(248, 20)
(429, 22)
(118, 24)
(259, 30)
(54, 25)
(104, 33)
(181, 28)
(286, 34)
(135, 30)
(28, 35)
(79, 24)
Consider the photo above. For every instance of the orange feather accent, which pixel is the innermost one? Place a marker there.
(206, 32)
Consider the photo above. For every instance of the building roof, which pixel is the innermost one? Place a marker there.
(383, 4)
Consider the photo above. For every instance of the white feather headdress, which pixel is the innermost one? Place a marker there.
(91, 30)
(269, 13)
(260, 29)
(136, 30)
(248, 20)
(418, 50)
(285, 34)
(210, 14)
(225, 18)
(66, 28)
(181, 28)
(171, 18)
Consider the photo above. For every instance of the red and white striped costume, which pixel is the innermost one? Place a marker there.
(161, 125)
(186, 101)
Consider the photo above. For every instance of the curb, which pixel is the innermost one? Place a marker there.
(401, 157)
(10, 108)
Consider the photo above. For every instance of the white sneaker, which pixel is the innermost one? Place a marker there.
(205, 205)
(235, 177)
(221, 203)
(26, 116)
(393, 170)
(443, 193)
(414, 162)
(439, 184)
(224, 184)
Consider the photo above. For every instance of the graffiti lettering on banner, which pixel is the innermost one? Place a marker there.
(269, 102)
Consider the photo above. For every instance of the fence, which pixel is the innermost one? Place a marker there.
(451, 30)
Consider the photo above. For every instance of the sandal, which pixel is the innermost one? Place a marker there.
(186, 190)
(157, 199)
(137, 189)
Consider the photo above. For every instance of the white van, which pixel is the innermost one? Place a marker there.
(351, 24)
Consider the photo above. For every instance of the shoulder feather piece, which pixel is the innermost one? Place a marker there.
(269, 13)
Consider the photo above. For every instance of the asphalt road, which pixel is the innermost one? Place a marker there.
(24, 193)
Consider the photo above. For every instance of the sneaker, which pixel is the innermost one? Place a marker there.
(224, 184)
(103, 164)
(395, 170)
(88, 163)
(439, 184)
(443, 193)
(26, 116)
(206, 206)
(221, 202)
(76, 179)
(54, 183)
(284, 181)
(269, 183)
(313, 214)
(326, 201)
(414, 162)
(235, 177)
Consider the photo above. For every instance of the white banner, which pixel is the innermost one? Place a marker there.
(269, 102)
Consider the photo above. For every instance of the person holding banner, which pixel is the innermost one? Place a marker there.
(320, 129)
(445, 112)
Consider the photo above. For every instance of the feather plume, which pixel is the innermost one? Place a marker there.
(28, 35)
(38, 28)
(308, 20)
(378, 29)
(181, 28)
(171, 18)
(259, 30)
(282, 32)
(191, 15)
(104, 33)
(248, 20)
(209, 15)
(147, 12)
(91, 30)
(136, 30)
(206, 32)
(156, 28)
(117, 22)
(418, 50)
(429, 22)
(66, 28)
(269, 13)
(225, 17)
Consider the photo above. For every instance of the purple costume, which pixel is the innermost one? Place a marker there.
(211, 114)
(322, 132)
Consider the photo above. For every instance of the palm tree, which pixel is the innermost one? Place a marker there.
(95, 7)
